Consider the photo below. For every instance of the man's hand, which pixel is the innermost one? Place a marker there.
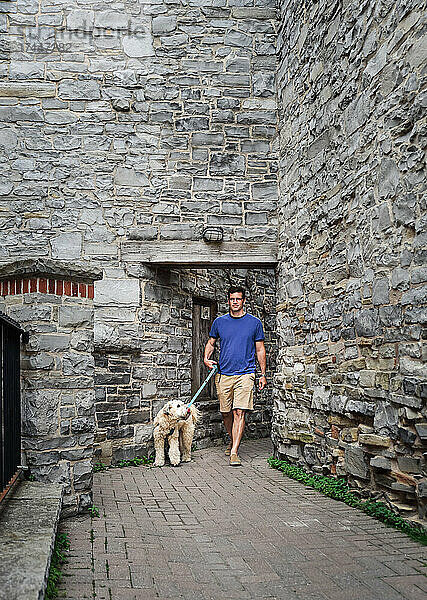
(262, 382)
(210, 363)
(209, 350)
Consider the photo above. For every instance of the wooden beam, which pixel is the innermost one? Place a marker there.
(189, 254)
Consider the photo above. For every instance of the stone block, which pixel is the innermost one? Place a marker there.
(417, 315)
(239, 39)
(129, 177)
(114, 433)
(149, 390)
(380, 291)
(388, 181)
(149, 232)
(75, 316)
(81, 20)
(66, 246)
(366, 323)
(26, 90)
(178, 231)
(135, 416)
(265, 191)
(207, 139)
(163, 24)
(112, 19)
(367, 378)
(70, 89)
(53, 343)
(386, 416)
(374, 440)
(40, 412)
(42, 361)
(415, 296)
(400, 278)
(421, 429)
(227, 164)
(355, 462)
(207, 184)
(144, 434)
(82, 475)
(83, 425)
(257, 14)
(390, 316)
(363, 408)
(117, 292)
(77, 364)
(409, 464)
(138, 45)
(410, 366)
(380, 462)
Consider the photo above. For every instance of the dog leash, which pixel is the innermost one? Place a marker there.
(197, 394)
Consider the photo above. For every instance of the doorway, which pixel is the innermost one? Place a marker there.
(204, 313)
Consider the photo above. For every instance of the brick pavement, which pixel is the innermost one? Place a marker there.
(207, 531)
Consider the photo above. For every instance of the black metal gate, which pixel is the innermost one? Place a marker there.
(10, 399)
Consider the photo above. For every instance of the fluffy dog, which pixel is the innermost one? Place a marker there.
(174, 422)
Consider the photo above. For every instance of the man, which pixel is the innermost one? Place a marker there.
(241, 337)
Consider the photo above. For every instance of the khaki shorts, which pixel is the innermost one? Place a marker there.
(235, 391)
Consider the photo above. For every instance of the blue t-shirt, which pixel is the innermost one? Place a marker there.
(238, 336)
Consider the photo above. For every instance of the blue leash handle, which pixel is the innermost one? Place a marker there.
(197, 394)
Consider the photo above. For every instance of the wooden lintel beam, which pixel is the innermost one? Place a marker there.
(199, 254)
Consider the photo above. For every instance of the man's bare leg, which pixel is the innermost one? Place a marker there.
(228, 423)
(238, 428)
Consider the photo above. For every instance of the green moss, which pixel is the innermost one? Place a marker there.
(62, 544)
(133, 462)
(338, 489)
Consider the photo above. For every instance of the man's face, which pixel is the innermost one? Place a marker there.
(236, 301)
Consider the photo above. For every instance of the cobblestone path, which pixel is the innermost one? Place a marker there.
(205, 531)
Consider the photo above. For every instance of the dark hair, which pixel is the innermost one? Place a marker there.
(237, 289)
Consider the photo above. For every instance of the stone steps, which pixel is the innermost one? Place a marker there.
(28, 523)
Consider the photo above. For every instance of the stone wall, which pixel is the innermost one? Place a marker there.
(55, 306)
(135, 121)
(351, 382)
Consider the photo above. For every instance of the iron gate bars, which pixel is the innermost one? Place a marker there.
(10, 399)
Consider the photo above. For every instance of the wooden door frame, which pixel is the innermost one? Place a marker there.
(213, 304)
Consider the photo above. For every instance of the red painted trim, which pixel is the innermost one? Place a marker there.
(59, 287)
(42, 285)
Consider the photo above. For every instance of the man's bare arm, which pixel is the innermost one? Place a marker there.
(209, 350)
(262, 359)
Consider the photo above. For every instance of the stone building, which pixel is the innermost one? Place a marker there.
(134, 135)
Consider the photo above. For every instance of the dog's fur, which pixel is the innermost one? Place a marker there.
(174, 422)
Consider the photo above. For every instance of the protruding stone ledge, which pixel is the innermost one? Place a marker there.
(28, 524)
(44, 267)
(27, 90)
(253, 13)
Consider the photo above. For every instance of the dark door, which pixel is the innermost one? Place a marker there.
(204, 312)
